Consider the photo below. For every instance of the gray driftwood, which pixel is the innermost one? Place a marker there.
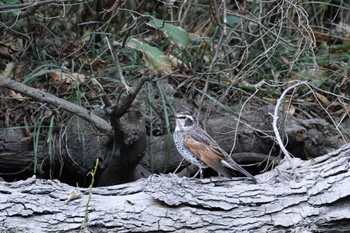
(315, 200)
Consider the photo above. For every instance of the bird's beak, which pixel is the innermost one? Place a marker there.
(176, 116)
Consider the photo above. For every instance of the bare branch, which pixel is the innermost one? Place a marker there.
(275, 119)
(42, 96)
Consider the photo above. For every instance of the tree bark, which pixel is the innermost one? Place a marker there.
(313, 197)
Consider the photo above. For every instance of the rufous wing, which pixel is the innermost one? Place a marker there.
(208, 154)
(214, 157)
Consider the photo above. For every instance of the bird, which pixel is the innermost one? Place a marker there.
(199, 148)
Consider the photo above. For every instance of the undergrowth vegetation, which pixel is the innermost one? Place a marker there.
(224, 52)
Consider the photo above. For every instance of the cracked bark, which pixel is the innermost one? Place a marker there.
(315, 201)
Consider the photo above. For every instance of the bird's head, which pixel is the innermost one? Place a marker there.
(184, 121)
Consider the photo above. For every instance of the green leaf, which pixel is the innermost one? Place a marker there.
(12, 2)
(233, 20)
(155, 59)
(86, 36)
(175, 34)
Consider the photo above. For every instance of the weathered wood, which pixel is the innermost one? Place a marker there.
(316, 200)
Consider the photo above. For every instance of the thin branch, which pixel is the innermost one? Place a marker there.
(33, 4)
(275, 120)
(118, 109)
(128, 89)
(49, 98)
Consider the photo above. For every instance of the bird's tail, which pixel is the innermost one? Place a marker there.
(235, 166)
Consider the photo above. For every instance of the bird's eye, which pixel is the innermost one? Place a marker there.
(181, 117)
(189, 121)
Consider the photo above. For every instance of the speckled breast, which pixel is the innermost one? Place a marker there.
(187, 154)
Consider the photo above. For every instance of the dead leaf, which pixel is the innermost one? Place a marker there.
(9, 70)
(323, 99)
(68, 78)
(75, 194)
(17, 96)
(5, 51)
(175, 62)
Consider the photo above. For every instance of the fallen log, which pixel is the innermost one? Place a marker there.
(314, 197)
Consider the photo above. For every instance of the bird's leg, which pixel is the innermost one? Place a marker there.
(178, 166)
(199, 171)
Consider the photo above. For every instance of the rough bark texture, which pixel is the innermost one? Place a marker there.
(314, 197)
